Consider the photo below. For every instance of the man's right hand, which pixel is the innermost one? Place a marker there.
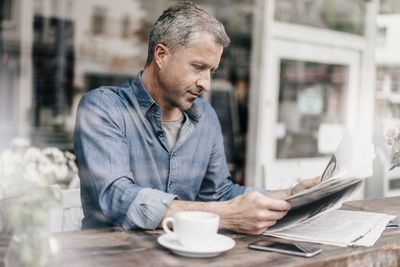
(252, 213)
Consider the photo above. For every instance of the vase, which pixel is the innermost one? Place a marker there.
(28, 215)
(30, 250)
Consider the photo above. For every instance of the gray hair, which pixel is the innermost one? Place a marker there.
(177, 25)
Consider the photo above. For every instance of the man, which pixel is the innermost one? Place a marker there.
(152, 147)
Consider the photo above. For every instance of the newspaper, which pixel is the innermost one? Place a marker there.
(340, 228)
(341, 179)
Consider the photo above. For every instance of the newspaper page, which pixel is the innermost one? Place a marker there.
(339, 228)
(341, 179)
(319, 207)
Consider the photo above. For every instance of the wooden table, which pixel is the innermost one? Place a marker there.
(117, 247)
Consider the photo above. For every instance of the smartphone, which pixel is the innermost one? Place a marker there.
(285, 248)
(392, 226)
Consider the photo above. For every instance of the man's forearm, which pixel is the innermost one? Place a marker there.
(251, 213)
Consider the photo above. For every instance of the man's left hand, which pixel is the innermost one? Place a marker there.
(301, 186)
(305, 184)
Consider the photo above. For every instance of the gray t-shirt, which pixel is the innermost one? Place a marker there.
(171, 129)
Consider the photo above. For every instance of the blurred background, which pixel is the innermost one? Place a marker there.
(297, 73)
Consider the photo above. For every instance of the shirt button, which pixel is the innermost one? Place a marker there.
(160, 134)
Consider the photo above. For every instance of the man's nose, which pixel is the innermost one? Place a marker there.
(204, 82)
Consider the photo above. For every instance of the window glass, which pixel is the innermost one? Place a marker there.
(311, 107)
(338, 15)
(387, 90)
(7, 76)
(125, 23)
(98, 21)
(381, 36)
(389, 6)
(6, 11)
(77, 46)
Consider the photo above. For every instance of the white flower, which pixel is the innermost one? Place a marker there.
(10, 163)
(45, 166)
(392, 133)
(396, 147)
(32, 175)
(69, 155)
(10, 157)
(20, 142)
(32, 154)
(389, 142)
(61, 173)
(72, 166)
(22, 166)
(55, 154)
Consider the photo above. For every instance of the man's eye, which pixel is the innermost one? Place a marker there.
(199, 67)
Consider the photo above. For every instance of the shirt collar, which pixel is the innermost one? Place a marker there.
(194, 112)
(143, 97)
(146, 101)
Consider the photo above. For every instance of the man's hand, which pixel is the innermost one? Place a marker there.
(301, 186)
(305, 184)
(252, 213)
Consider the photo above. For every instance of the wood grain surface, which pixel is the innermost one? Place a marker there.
(118, 247)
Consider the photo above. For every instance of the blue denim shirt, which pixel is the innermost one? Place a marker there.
(128, 176)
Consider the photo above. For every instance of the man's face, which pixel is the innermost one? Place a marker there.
(187, 72)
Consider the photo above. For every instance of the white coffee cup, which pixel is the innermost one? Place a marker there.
(194, 229)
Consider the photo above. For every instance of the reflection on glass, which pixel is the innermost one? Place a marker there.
(387, 91)
(74, 46)
(381, 36)
(98, 21)
(339, 15)
(5, 11)
(311, 98)
(389, 6)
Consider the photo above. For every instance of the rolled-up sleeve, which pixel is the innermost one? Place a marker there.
(148, 208)
(108, 188)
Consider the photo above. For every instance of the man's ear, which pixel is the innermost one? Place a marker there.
(161, 55)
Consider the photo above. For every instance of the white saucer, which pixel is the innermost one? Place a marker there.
(221, 243)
